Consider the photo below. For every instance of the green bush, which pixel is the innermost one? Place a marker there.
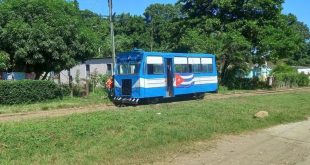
(246, 83)
(287, 77)
(78, 91)
(66, 90)
(291, 79)
(283, 68)
(103, 79)
(28, 91)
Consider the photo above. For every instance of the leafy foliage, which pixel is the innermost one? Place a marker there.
(44, 36)
(4, 60)
(287, 76)
(159, 19)
(28, 91)
(283, 68)
(241, 33)
(289, 80)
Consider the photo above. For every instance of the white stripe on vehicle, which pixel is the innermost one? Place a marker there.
(187, 77)
(206, 80)
(116, 84)
(161, 82)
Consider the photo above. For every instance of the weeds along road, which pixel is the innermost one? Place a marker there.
(280, 145)
(103, 107)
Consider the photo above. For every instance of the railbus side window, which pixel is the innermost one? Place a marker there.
(154, 65)
(194, 65)
(206, 65)
(181, 65)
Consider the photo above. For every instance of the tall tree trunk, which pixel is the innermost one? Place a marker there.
(38, 75)
(223, 72)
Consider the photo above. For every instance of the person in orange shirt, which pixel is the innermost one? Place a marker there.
(109, 84)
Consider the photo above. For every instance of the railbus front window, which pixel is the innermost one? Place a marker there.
(128, 68)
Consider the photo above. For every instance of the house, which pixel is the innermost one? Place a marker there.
(260, 71)
(12, 76)
(85, 70)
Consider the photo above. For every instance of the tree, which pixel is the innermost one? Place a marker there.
(100, 26)
(301, 34)
(76, 4)
(44, 36)
(243, 32)
(159, 19)
(130, 32)
(4, 61)
(232, 10)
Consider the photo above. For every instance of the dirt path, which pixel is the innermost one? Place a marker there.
(102, 107)
(52, 113)
(280, 145)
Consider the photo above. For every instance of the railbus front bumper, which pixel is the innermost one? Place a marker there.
(122, 100)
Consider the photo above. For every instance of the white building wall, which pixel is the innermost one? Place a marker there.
(99, 68)
(64, 75)
(305, 71)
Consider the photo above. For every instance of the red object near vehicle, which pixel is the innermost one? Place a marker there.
(109, 84)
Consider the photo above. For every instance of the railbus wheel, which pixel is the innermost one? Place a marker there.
(155, 100)
(199, 96)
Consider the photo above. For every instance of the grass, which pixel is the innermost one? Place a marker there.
(139, 135)
(225, 90)
(68, 102)
(72, 102)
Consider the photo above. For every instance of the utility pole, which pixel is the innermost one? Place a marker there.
(112, 34)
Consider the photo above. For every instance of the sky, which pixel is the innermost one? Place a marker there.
(300, 8)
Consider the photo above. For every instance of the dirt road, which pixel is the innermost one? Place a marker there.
(280, 145)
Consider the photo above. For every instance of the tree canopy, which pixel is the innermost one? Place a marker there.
(45, 36)
(4, 61)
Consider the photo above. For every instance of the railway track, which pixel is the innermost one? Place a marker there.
(14, 117)
(254, 93)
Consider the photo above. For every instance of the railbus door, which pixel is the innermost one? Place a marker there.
(169, 72)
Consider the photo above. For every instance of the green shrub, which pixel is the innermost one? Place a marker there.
(246, 83)
(303, 80)
(103, 79)
(287, 77)
(28, 91)
(283, 68)
(78, 91)
(66, 90)
(291, 79)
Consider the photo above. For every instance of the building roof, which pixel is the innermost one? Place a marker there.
(99, 61)
(302, 67)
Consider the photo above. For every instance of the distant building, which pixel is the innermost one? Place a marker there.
(12, 76)
(86, 69)
(261, 72)
(258, 71)
(303, 69)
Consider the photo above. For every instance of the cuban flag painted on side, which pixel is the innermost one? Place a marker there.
(184, 80)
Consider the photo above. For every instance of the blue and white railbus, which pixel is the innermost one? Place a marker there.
(153, 75)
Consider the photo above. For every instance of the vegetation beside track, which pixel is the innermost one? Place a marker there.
(137, 135)
(100, 97)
